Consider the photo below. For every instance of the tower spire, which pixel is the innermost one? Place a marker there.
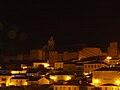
(51, 42)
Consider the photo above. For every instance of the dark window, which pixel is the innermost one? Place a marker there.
(60, 88)
(85, 66)
(91, 66)
(98, 66)
(88, 66)
(3, 84)
(69, 88)
(55, 88)
(3, 79)
(79, 68)
(105, 88)
(63, 88)
(95, 66)
(74, 88)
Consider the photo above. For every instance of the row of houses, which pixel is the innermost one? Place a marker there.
(64, 72)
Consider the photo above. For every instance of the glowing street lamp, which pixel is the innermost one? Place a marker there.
(118, 82)
(108, 57)
(68, 78)
(96, 81)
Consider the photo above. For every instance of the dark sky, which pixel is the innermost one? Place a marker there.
(29, 24)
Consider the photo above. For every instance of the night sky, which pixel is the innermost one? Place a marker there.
(29, 24)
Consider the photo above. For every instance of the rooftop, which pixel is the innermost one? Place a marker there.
(61, 73)
(108, 84)
(32, 70)
(108, 69)
(34, 78)
(19, 78)
(95, 62)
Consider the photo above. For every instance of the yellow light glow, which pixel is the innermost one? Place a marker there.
(46, 65)
(52, 77)
(86, 74)
(96, 81)
(108, 57)
(118, 87)
(14, 72)
(24, 67)
(118, 82)
(25, 83)
(10, 84)
(68, 78)
(43, 75)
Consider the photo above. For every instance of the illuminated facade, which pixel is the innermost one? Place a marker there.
(58, 65)
(66, 87)
(18, 71)
(73, 87)
(61, 76)
(38, 81)
(91, 66)
(89, 52)
(106, 76)
(18, 81)
(109, 87)
(112, 61)
(70, 66)
(36, 64)
(25, 66)
(5, 80)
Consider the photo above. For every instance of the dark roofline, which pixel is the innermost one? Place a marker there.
(108, 84)
(19, 78)
(108, 69)
(96, 62)
(75, 84)
(34, 78)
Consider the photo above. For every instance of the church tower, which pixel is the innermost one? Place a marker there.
(51, 43)
(112, 49)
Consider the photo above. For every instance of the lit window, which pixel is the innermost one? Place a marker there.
(118, 82)
(96, 81)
